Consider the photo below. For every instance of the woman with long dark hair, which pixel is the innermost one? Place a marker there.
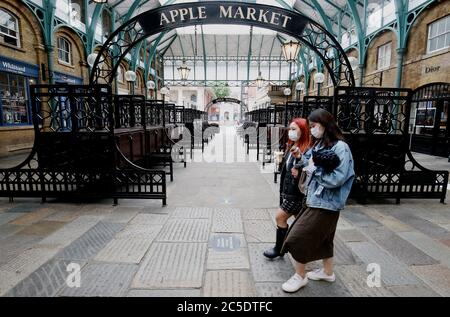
(299, 142)
(329, 166)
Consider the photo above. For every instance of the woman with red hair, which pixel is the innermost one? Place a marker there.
(299, 142)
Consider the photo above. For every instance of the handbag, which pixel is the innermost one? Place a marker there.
(303, 182)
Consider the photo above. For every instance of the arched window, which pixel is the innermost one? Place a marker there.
(9, 28)
(64, 50)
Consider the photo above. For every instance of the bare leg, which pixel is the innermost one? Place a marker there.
(328, 266)
(299, 268)
(281, 218)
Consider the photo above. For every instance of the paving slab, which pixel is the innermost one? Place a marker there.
(7, 230)
(436, 276)
(124, 250)
(7, 217)
(70, 231)
(260, 230)
(64, 216)
(32, 217)
(387, 220)
(354, 278)
(227, 220)
(192, 213)
(24, 264)
(227, 241)
(23, 208)
(103, 279)
(356, 217)
(122, 215)
(149, 219)
(227, 260)
(350, 235)
(392, 271)
(45, 281)
(15, 244)
(256, 213)
(429, 246)
(139, 231)
(344, 224)
(191, 292)
(229, 283)
(185, 230)
(398, 247)
(91, 242)
(42, 228)
(430, 229)
(266, 270)
(171, 265)
(413, 291)
(343, 254)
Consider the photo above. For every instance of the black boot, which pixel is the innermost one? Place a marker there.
(275, 251)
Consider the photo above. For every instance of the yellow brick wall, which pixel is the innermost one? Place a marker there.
(79, 67)
(19, 139)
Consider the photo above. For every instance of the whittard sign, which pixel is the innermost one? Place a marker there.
(175, 16)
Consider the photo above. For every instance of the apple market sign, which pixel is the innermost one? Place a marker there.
(216, 13)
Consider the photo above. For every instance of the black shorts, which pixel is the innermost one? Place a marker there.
(292, 207)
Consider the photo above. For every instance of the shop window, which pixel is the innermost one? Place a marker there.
(439, 34)
(64, 51)
(9, 28)
(13, 100)
(384, 56)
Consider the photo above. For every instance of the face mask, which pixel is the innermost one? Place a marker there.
(317, 131)
(293, 135)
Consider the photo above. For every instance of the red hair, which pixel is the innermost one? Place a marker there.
(304, 141)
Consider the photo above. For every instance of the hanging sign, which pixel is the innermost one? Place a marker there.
(185, 14)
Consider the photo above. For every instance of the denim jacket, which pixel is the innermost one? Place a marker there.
(330, 190)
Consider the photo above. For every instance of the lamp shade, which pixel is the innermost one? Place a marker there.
(291, 50)
(91, 59)
(319, 78)
(100, 1)
(130, 76)
(151, 84)
(259, 81)
(287, 91)
(184, 70)
(164, 90)
(300, 86)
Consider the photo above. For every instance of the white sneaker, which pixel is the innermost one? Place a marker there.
(294, 283)
(320, 275)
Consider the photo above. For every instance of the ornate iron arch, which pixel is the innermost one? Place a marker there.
(297, 25)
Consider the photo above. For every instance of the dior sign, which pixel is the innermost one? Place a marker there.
(186, 14)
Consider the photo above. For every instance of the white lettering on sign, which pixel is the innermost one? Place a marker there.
(225, 12)
(14, 67)
(196, 13)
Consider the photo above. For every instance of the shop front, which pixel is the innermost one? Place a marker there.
(15, 79)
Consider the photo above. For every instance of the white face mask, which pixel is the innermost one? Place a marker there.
(293, 135)
(317, 131)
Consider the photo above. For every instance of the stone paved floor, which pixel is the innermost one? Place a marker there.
(209, 241)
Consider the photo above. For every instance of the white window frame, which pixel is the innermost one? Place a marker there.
(64, 50)
(382, 56)
(17, 30)
(445, 34)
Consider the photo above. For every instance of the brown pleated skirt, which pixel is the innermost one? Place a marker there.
(311, 235)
